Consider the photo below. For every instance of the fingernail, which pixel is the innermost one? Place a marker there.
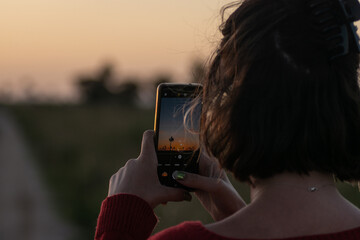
(187, 196)
(178, 175)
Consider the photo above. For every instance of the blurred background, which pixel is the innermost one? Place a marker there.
(77, 90)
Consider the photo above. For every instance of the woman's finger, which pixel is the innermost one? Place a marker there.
(148, 147)
(197, 181)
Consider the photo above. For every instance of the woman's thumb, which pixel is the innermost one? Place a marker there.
(196, 181)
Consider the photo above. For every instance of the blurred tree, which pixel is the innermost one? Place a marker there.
(127, 92)
(101, 88)
(94, 89)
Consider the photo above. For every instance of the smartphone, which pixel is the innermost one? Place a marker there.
(176, 126)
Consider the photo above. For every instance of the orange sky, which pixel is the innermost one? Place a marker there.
(46, 43)
(181, 141)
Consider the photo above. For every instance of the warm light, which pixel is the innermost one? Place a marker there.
(48, 43)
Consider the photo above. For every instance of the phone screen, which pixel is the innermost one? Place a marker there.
(177, 125)
(175, 134)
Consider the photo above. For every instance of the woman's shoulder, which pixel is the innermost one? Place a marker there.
(349, 234)
(196, 230)
(187, 230)
(277, 224)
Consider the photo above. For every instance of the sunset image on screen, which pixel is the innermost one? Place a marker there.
(173, 135)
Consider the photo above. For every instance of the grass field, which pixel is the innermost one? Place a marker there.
(79, 147)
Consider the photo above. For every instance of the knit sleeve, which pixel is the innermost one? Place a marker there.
(126, 217)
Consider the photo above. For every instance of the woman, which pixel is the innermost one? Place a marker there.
(281, 111)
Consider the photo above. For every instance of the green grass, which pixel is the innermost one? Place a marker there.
(79, 147)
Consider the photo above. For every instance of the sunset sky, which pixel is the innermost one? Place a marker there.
(171, 125)
(45, 44)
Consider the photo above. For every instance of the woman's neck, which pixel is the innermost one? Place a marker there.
(313, 184)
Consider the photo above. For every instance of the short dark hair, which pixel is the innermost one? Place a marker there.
(273, 102)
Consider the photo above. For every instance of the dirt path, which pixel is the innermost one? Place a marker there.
(26, 211)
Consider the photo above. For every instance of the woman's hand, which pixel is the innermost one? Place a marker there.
(139, 177)
(213, 188)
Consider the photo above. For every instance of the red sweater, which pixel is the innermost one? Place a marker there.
(128, 217)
